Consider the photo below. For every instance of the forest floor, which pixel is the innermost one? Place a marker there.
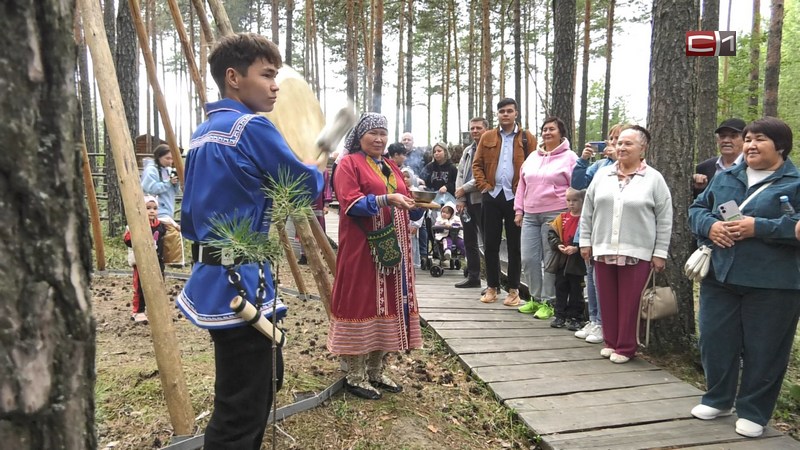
(442, 407)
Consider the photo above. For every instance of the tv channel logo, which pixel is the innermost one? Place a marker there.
(710, 43)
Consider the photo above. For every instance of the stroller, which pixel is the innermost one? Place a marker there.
(436, 262)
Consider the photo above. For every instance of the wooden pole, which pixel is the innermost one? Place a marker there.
(187, 50)
(152, 77)
(324, 244)
(204, 25)
(297, 274)
(94, 210)
(168, 357)
(220, 17)
(318, 269)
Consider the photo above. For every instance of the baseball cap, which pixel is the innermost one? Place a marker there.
(732, 124)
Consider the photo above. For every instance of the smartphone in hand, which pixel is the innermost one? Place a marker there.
(730, 211)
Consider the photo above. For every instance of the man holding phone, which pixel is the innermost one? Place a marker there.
(730, 144)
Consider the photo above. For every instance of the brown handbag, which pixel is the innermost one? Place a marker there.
(657, 302)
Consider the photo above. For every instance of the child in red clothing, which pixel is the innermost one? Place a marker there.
(159, 230)
(567, 264)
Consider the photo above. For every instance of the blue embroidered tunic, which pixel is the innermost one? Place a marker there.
(230, 156)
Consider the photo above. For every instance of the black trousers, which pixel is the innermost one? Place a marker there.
(242, 388)
(498, 214)
(569, 296)
(472, 231)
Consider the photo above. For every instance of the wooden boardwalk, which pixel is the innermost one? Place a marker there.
(561, 387)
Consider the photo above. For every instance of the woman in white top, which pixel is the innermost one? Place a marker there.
(626, 226)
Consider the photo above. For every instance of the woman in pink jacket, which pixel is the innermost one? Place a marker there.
(540, 198)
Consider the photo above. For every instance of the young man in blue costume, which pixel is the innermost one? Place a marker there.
(231, 156)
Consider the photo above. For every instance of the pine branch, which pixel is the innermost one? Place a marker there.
(236, 234)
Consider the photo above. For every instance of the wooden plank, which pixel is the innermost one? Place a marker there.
(487, 316)
(621, 414)
(506, 390)
(514, 344)
(494, 332)
(607, 397)
(599, 366)
(669, 434)
(532, 356)
(770, 443)
(466, 325)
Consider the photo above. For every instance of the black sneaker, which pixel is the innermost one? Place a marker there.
(558, 322)
(574, 325)
(303, 260)
(469, 283)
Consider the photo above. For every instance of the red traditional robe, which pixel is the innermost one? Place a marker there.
(371, 311)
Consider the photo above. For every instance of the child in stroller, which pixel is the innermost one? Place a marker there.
(449, 241)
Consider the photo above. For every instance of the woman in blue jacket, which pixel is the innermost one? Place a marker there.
(160, 179)
(750, 300)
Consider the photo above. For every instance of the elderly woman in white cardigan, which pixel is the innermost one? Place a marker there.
(625, 227)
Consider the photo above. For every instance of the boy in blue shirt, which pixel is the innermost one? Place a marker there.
(231, 156)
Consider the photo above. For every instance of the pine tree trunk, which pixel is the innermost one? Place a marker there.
(86, 104)
(289, 31)
(585, 76)
(772, 71)
(518, 53)
(563, 100)
(275, 24)
(486, 59)
(609, 53)
(671, 120)
(456, 63)
(471, 110)
(350, 61)
(377, 72)
(446, 79)
(399, 90)
(755, 60)
(409, 77)
(48, 339)
(708, 90)
(114, 211)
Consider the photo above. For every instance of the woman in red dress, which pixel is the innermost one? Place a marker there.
(373, 308)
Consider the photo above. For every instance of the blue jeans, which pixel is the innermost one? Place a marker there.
(754, 324)
(535, 249)
(591, 290)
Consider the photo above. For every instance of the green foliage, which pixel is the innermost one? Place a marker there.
(618, 112)
(733, 92)
(236, 235)
(289, 195)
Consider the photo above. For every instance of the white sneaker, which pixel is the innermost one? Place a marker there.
(595, 335)
(583, 332)
(705, 412)
(606, 352)
(447, 255)
(749, 428)
(616, 358)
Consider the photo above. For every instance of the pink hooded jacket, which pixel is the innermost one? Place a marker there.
(544, 179)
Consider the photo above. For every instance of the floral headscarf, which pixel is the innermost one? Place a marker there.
(368, 121)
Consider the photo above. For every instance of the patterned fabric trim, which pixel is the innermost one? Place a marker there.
(222, 320)
(230, 139)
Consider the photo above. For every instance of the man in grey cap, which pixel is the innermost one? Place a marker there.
(730, 144)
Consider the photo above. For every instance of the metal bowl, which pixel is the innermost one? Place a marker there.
(423, 196)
